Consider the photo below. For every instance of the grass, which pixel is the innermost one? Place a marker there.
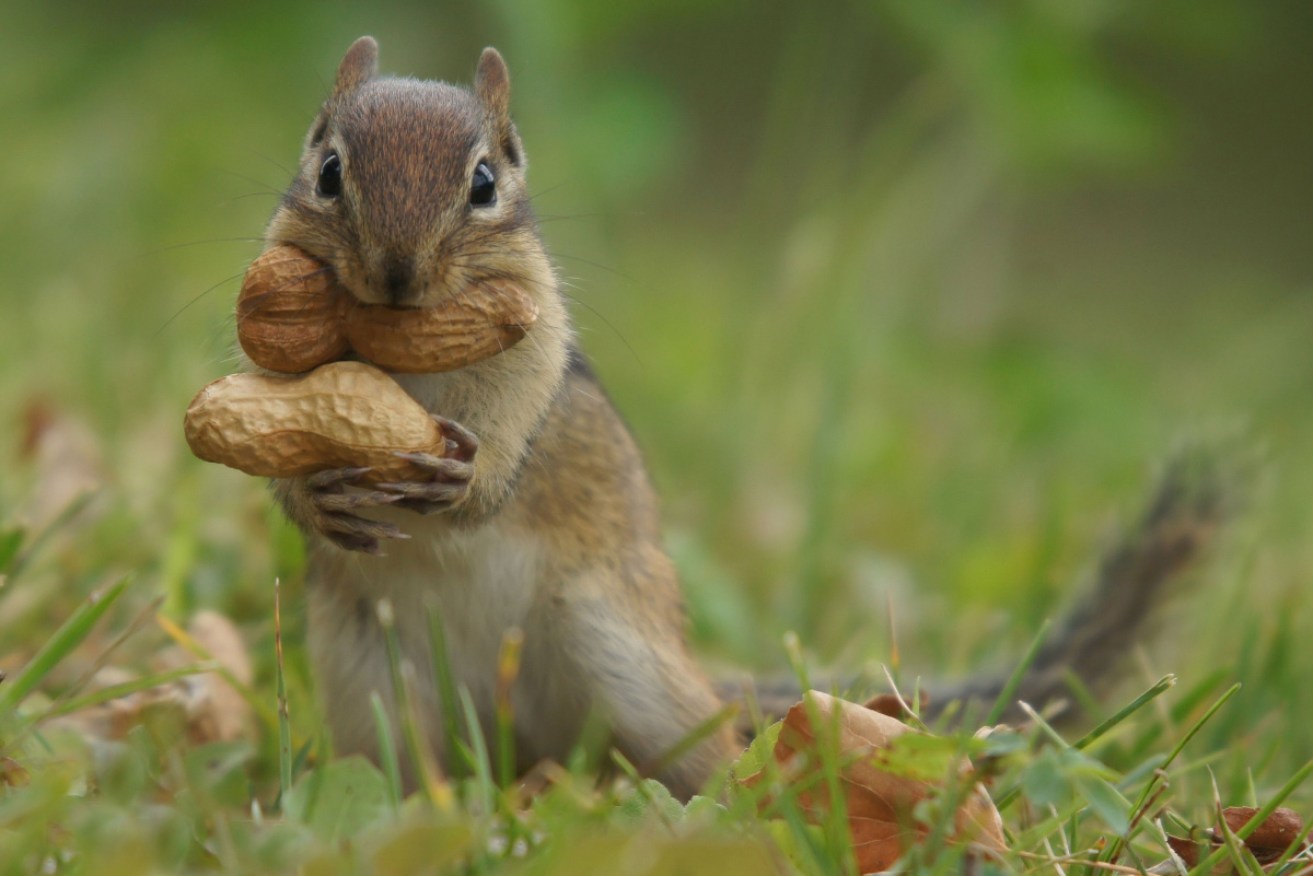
(916, 355)
(151, 802)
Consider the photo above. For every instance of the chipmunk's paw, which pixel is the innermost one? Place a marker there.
(334, 510)
(448, 477)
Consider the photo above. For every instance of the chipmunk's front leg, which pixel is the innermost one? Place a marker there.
(329, 504)
(448, 477)
(336, 503)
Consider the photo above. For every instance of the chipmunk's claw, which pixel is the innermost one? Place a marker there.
(333, 510)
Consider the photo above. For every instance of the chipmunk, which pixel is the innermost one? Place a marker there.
(542, 517)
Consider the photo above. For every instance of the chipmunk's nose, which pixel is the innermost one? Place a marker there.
(399, 280)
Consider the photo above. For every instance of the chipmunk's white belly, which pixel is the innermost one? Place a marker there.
(481, 583)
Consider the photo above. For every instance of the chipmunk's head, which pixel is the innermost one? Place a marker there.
(413, 190)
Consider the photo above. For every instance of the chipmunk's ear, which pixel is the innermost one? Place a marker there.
(359, 65)
(492, 84)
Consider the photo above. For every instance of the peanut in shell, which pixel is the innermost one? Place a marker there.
(289, 312)
(344, 414)
(293, 315)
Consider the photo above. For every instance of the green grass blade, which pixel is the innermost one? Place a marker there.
(11, 540)
(1116, 846)
(22, 560)
(60, 645)
(1241, 858)
(483, 783)
(421, 758)
(793, 650)
(127, 688)
(1163, 685)
(284, 718)
(508, 668)
(1198, 725)
(72, 690)
(1014, 680)
(387, 749)
(458, 766)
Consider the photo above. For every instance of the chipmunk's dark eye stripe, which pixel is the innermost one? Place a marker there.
(483, 188)
(330, 177)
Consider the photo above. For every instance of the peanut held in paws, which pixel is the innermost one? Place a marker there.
(339, 415)
(293, 315)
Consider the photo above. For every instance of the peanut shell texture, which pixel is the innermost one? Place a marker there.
(343, 414)
(293, 315)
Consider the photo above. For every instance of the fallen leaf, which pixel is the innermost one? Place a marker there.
(216, 711)
(66, 456)
(211, 709)
(12, 773)
(892, 705)
(879, 798)
(1185, 848)
(1278, 832)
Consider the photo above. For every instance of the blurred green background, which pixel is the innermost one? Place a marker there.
(904, 300)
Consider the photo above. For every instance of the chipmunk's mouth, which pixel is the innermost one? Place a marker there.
(379, 296)
(404, 288)
(396, 279)
(399, 292)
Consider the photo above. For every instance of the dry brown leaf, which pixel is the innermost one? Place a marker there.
(12, 773)
(206, 704)
(1268, 843)
(879, 802)
(67, 458)
(216, 711)
(1273, 836)
(892, 705)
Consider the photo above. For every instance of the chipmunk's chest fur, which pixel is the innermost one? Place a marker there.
(478, 584)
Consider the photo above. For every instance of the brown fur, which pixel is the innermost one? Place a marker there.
(558, 530)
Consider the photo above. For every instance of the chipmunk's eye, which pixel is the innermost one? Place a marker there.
(483, 188)
(330, 177)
